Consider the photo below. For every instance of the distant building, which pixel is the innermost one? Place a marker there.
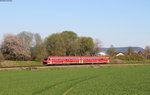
(140, 53)
(102, 54)
(120, 54)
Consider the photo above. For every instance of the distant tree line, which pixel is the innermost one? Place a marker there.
(130, 54)
(30, 46)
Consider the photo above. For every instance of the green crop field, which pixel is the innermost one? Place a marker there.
(111, 80)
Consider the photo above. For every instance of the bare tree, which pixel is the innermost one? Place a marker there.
(27, 37)
(147, 52)
(38, 39)
(97, 47)
(111, 51)
(130, 51)
(14, 48)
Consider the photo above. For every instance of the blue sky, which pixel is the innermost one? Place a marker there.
(114, 22)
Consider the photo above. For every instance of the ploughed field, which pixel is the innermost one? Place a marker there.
(111, 80)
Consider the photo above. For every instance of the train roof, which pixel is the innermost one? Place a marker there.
(77, 56)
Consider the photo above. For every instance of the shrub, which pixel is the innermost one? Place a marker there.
(1, 57)
(131, 57)
(116, 61)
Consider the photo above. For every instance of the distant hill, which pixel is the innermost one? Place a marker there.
(124, 49)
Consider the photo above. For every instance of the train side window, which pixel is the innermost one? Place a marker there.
(103, 59)
(58, 59)
(93, 59)
(73, 59)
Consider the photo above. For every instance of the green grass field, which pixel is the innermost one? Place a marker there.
(136, 61)
(111, 80)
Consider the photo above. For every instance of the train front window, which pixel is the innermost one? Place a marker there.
(45, 58)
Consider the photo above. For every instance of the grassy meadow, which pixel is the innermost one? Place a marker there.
(19, 63)
(136, 61)
(110, 80)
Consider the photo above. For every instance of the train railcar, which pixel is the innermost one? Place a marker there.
(75, 60)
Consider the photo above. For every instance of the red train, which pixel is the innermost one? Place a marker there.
(75, 60)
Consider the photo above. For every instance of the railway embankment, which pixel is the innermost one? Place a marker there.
(69, 66)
